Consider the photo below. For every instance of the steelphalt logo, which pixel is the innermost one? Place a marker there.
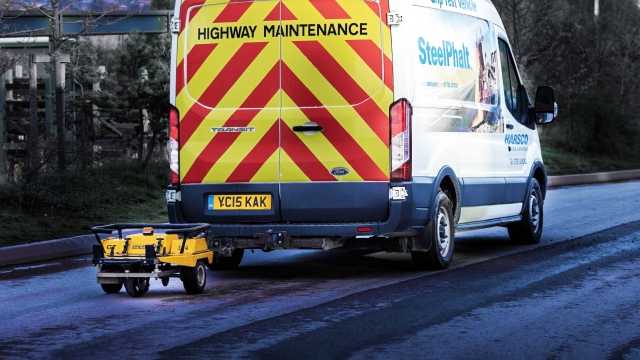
(516, 139)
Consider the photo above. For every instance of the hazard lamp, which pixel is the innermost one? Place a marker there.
(173, 147)
(400, 115)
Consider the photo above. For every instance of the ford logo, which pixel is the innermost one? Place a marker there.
(340, 171)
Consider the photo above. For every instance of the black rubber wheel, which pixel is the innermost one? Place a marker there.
(439, 233)
(194, 279)
(529, 229)
(136, 287)
(111, 288)
(227, 263)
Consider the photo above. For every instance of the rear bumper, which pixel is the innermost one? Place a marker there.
(405, 215)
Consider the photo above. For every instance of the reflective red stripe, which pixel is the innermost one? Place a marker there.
(233, 11)
(330, 9)
(303, 157)
(372, 55)
(235, 67)
(214, 151)
(195, 59)
(260, 153)
(335, 133)
(346, 86)
(381, 9)
(280, 12)
(184, 9)
(220, 143)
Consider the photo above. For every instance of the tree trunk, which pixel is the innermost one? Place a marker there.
(141, 135)
(4, 176)
(58, 69)
(60, 121)
(151, 147)
(83, 135)
(33, 156)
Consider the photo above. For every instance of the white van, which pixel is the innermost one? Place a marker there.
(327, 123)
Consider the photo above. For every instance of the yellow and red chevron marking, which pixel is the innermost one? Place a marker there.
(269, 85)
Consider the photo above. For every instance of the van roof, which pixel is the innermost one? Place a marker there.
(483, 9)
(492, 13)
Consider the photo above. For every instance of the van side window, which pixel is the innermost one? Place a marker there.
(510, 83)
(457, 77)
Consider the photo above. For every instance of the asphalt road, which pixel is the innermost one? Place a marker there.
(577, 295)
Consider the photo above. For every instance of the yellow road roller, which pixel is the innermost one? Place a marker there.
(133, 254)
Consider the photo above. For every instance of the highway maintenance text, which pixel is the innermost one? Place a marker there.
(288, 30)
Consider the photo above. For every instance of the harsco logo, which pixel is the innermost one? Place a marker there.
(516, 139)
(446, 55)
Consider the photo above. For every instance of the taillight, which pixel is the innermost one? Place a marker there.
(174, 145)
(400, 116)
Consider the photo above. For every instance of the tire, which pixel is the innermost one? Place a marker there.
(439, 233)
(221, 263)
(194, 279)
(136, 287)
(529, 229)
(111, 288)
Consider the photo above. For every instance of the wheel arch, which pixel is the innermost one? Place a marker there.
(539, 172)
(448, 181)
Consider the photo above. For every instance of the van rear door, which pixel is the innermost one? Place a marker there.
(337, 85)
(228, 96)
(287, 99)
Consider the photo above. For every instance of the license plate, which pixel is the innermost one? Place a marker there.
(239, 202)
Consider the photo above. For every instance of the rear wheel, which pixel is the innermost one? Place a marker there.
(194, 279)
(529, 229)
(136, 287)
(439, 234)
(227, 262)
(111, 288)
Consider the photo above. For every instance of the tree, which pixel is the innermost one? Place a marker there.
(140, 85)
(591, 63)
(84, 74)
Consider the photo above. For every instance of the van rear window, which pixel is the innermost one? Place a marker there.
(337, 51)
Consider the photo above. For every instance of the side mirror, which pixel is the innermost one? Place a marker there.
(546, 106)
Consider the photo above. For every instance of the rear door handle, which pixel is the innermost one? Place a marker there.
(510, 126)
(308, 127)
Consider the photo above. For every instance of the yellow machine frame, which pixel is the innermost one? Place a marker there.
(131, 254)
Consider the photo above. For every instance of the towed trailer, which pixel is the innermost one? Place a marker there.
(133, 254)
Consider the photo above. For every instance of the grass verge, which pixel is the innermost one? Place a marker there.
(561, 162)
(57, 206)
